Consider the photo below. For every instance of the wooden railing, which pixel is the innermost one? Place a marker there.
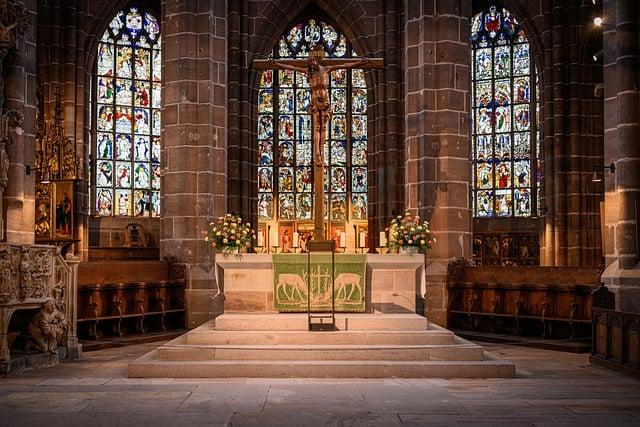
(546, 302)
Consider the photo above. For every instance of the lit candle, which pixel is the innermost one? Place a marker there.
(273, 238)
(363, 239)
(383, 239)
(296, 239)
(260, 238)
(343, 240)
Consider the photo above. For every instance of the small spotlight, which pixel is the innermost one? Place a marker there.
(596, 56)
(597, 21)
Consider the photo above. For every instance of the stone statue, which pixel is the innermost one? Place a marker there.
(46, 329)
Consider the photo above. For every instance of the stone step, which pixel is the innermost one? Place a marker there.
(213, 337)
(149, 367)
(299, 322)
(462, 351)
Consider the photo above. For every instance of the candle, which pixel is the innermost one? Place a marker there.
(273, 238)
(343, 240)
(383, 239)
(296, 239)
(363, 239)
(260, 238)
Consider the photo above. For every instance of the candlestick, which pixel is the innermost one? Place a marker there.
(383, 239)
(296, 239)
(260, 238)
(343, 240)
(273, 238)
(363, 239)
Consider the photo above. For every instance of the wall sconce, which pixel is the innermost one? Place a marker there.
(597, 21)
(597, 177)
(596, 56)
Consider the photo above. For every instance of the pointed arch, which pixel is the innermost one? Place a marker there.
(126, 147)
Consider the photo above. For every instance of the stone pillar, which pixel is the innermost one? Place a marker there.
(437, 162)
(19, 90)
(622, 125)
(194, 154)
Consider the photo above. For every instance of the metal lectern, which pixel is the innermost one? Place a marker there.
(319, 321)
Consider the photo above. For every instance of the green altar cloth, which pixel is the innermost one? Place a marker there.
(290, 274)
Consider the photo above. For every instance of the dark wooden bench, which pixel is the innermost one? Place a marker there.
(120, 297)
(546, 302)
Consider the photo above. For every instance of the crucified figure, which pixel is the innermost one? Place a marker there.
(320, 110)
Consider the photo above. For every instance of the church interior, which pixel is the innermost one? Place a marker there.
(276, 212)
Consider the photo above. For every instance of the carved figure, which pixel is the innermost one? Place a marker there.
(320, 110)
(4, 165)
(320, 106)
(46, 329)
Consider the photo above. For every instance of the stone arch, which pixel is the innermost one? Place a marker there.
(347, 21)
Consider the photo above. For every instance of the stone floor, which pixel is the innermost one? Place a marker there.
(551, 388)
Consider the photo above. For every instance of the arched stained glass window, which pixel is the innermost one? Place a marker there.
(506, 163)
(284, 133)
(128, 103)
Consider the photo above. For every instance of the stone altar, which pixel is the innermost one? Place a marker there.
(394, 283)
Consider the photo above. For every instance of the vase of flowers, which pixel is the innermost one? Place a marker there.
(228, 234)
(409, 235)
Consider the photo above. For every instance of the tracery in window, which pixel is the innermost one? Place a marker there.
(128, 103)
(285, 170)
(506, 140)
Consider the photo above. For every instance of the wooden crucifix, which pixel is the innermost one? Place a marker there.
(317, 69)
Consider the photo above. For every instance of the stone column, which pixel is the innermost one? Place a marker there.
(19, 94)
(437, 162)
(194, 155)
(622, 125)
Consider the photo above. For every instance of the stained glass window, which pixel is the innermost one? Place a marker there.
(128, 102)
(507, 165)
(285, 170)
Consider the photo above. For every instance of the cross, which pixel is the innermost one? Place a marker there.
(317, 69)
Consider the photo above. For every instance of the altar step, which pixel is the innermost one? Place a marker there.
(149, 367)
(299, 322)
(213, 337)
(278, 345)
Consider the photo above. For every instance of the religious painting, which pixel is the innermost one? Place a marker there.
(285, 237)
(337, 232)
(43, 225)
(63, 210)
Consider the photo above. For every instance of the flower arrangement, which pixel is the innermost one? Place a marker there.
(407, 232)
(229, 233)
